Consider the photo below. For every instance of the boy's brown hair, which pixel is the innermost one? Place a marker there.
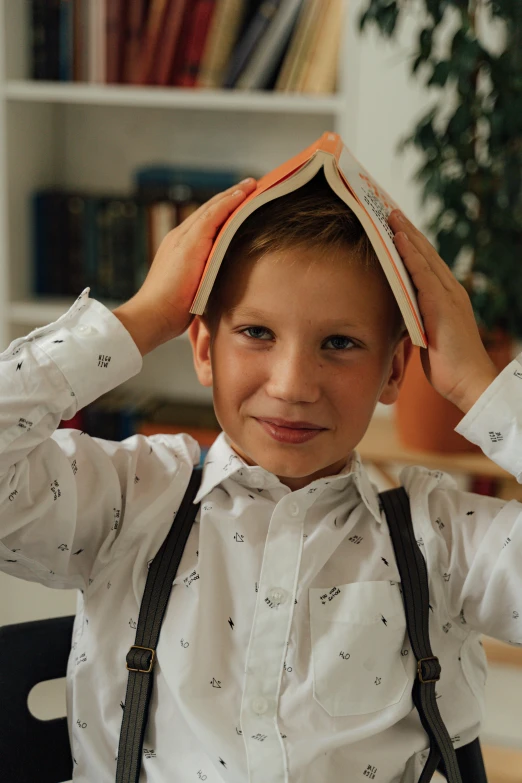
(312, 216)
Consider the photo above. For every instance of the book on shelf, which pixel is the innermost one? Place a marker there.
(197, 34)
(318, 72)
(223, 32)
(173, 30)
(267, 54)
(108, 240)
(122, 413)
(241, 44)
(353, 184)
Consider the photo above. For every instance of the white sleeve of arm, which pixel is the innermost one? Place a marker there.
(483, 534)
(62, 493)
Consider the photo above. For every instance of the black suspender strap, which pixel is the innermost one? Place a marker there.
(415, 594)
(142, 654)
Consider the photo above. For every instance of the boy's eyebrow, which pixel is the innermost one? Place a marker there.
(252, 312)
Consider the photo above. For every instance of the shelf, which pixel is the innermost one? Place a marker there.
(172, 97)
(34, 313)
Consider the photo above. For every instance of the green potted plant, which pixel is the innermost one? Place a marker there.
(471, 172)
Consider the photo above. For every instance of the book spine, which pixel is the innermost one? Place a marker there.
(134, 28)
(114, 28)
(101, 32)
(180, 53)
(124, 213)
(141, 246)
(162, 221)
(75, 206)
(322, 73)
(313, 45)
(170, 42)
(200, 28)
(58, 244)
(40, 210)
(52, 39)
(39, 42)
(90, 255)
(286, 74)
(66, 40)
(223, 35)
(131, 251)
(249, 41)
(268, 54)
(78, 40)
(153, 31)
(104, 274)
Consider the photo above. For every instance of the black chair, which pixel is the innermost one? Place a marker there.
(38, 751)
(33, 750)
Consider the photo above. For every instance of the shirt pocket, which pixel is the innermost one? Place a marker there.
(357, 636)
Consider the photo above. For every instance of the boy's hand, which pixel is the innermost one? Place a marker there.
(159, 311)
(455, 362)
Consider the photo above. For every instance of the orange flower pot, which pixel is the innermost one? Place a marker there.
(424, 419)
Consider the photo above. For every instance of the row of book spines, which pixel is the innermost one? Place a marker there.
(118, 427)
(204, 43)
(164, 42)
(107, 243)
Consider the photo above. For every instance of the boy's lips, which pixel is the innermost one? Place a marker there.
(296, 425)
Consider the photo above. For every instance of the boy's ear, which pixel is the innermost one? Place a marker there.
(397, 369)
(199, 336)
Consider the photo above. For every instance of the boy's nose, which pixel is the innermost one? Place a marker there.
(295, 378)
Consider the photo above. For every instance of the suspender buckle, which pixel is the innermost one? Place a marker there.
(139, 658)
(429, 669)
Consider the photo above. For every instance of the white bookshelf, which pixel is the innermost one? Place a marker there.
(94, 136)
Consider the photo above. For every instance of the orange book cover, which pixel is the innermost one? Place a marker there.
(355, 186)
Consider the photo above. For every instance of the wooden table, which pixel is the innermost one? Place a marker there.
(382, 447)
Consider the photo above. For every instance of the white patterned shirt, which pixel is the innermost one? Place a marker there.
(283, 656)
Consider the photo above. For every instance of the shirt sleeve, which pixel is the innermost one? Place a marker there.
(64, 496)
(483, 535)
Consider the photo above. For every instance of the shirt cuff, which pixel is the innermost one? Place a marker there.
(495, 421)
(90, 346)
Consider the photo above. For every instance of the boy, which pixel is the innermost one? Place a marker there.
(283, 654)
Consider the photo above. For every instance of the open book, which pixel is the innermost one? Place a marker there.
(352, 183)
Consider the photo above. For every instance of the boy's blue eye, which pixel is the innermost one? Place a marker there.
(332, 337)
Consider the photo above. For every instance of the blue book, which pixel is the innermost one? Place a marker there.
(66, 40)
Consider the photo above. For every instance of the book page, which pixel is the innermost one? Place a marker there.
(378, 204)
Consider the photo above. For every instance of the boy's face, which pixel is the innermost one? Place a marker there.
(320, 352)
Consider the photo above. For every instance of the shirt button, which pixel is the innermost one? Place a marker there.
(85, 329)
(259, 705)
(277, 595)
(294, 509)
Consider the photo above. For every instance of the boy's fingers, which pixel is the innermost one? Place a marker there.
(424, 247)
(218, 203)
(423, 274)
(207, 224)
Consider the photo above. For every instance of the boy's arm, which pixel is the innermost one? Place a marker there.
(481, 560)
(494, 422)
(61, 491)
(66, 499)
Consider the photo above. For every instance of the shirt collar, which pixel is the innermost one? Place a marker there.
(223, 462)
